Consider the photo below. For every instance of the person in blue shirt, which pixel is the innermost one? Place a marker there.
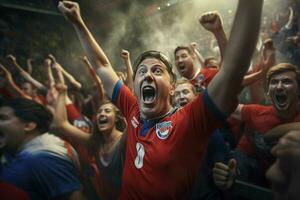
(35, 161)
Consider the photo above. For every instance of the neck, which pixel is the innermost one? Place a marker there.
(164, 114)
(111, 135)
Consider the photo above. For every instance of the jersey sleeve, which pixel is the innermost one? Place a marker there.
(124, 99)
(54, 176)
(204, 116)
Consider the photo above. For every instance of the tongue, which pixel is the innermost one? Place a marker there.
(149, 99)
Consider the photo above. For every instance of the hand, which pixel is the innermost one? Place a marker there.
(211, 21)
(11, 58)
(125, 54)
(54, 63)
(224, 175)
(193, 45)
(52, 58)
(61, 88)
(84, 59)
(47, 62)
(71, 11)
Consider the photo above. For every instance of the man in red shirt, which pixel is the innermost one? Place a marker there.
(283, 81)
(164, 147)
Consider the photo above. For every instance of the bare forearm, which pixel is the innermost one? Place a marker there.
(199, 57)
(61, 120)
(71, 78)
(273, 135)
(222, 42)
(252, 78)
(50, 77)
(129, 80)
(16, 91)
(97, 58)
(224, 87)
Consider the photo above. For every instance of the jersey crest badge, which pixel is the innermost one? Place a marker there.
(163, 129)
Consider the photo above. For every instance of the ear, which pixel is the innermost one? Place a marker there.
(30, 126)
(172, 89)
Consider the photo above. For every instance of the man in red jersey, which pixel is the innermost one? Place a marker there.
(164, 147)
(283, 89)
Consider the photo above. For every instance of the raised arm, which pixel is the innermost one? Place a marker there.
(25, 74)
(126, 58)
(61, 119)
(94, 52)
(97, 80)
(212, 22)
(68, 76)
(11, 86)
(224, 88)
(199, 56)
(47, 63)
(29, 65)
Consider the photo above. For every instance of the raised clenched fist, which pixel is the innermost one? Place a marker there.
(211, 21)
(125, 54)
(70, 10)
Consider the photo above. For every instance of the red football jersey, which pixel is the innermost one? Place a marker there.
(164, 163)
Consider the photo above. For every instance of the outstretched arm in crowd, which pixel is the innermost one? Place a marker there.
(26, 75)
(97, 80)
(126, 58)
(212, 22)
(68, 76)
(94, 52)
(223, 88)
(267, 60)
(11, 86)
(199, 56)
(29, 65)
(61, 119)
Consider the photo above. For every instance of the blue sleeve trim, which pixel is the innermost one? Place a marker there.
(116, 91)
(213, 108)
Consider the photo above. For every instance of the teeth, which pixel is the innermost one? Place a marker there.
(103, 120)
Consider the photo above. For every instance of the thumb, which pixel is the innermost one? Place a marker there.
(232, 163)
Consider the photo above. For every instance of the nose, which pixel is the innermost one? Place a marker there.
(279, 85)
(180, 59)
(181, 95)
(148, 76)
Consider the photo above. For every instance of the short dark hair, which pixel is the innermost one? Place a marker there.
(157, 55)
(30, 111)
(188, 49)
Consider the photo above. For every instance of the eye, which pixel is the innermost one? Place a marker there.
(107, 110)
(157, 71)
(186, 91)
(287, 81)
(184, 55)
(273, 82)
(142, 71)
